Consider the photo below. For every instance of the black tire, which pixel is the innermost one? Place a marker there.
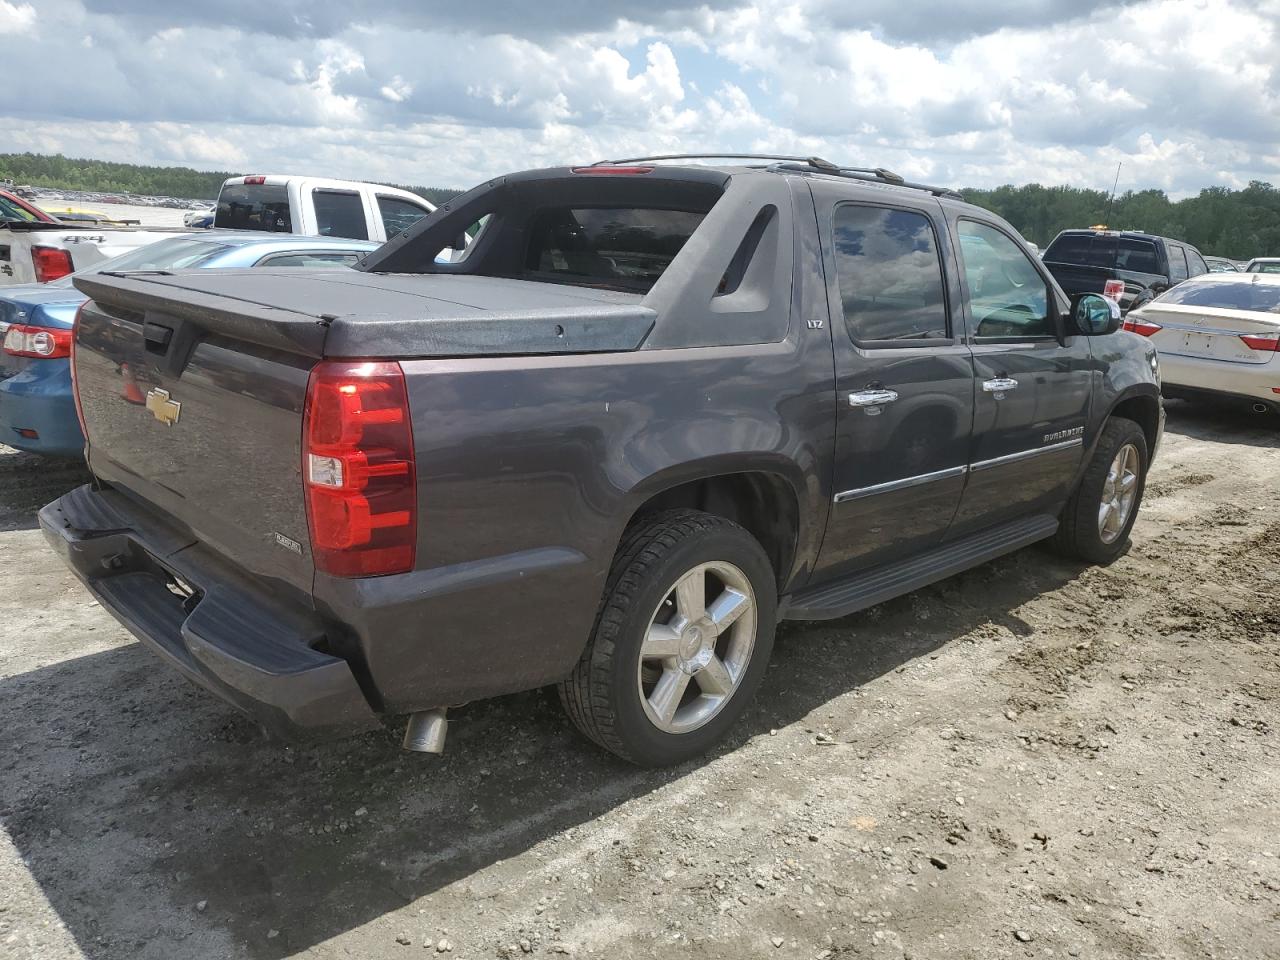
(602, 695)
(1078, 533)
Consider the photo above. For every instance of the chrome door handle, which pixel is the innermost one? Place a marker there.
(999, 385)
(872, 398)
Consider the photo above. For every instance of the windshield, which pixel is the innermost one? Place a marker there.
(1265, 266)
(1240, 295)
(176, 253)
(12, 211)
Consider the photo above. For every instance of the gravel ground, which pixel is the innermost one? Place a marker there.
(1034, 759)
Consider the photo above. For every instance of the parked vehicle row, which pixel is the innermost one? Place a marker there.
(649, 411)
(38, 251)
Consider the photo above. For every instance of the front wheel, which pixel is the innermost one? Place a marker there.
(681, 642)
(1097, 519)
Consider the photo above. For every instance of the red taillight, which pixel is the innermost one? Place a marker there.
(1269, 342)
(1144, 328)
(254, 181)
(75, 382)
(358, 469)
(44, 343)
(50, 263)
(1114, 289)
(613, 171)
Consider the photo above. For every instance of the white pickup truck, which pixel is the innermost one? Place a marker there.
(36, 252)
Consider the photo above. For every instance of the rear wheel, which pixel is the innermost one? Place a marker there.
(1096, 521)
(681, 642)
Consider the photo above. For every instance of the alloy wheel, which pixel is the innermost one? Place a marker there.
(697, 647)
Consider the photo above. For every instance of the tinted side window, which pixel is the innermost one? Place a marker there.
(1136, 255)
(1177, 263)
(889, 273)
(1007, 297)
(340, 213)
(398, 215)
(1196, 263)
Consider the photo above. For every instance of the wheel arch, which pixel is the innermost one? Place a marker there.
(1143, 408)
(760, 497)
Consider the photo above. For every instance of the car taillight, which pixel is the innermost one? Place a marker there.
(358, 469)
(1113, 289)
(45, 343)
(1262, 341)
(50, 263)
(75, 382)
(254, 181)
(1144, 328)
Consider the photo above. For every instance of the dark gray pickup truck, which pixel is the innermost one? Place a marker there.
(652, 410)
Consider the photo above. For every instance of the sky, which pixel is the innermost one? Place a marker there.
(1184, 93)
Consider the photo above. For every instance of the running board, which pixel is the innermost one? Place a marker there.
(866, 589)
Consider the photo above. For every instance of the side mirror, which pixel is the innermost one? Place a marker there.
(1095, 316)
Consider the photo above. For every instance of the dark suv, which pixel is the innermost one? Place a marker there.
(1082, 261)
(649, 412)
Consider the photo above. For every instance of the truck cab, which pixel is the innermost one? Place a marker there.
(317, 207)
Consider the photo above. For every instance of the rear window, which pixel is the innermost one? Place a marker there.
(254, 207)
(1240, 295)
(1080, 248)
(178, 253)
(1272, 266)
(627, 247)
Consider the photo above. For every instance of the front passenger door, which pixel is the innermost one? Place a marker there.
(1033, 388)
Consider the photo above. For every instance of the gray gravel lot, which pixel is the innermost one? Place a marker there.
(1035, 759)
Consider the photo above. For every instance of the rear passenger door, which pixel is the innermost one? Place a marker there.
(1033, 384)
(904, 378)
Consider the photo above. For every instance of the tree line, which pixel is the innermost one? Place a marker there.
(100, 176)
(1219, 221)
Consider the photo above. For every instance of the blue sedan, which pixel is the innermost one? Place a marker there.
(37, 407)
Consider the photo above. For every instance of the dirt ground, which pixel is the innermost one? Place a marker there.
(1034, 759)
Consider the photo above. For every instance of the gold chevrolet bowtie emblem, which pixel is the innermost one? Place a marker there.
(162, 408)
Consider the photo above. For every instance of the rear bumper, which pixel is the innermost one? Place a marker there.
(38, 397)
(232, 636)
(1251, 381)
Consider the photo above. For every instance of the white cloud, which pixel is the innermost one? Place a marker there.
(16, 18)
(1183, 92)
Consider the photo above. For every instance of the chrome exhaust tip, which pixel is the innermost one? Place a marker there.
(426, 731)
(1260, 408)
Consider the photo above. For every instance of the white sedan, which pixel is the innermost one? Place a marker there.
(1263, 265)
(1217, 334)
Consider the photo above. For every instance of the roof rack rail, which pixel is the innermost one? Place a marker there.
(880, 175)
(815, 162)
(782, 162)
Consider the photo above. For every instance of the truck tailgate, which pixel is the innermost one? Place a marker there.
(202, 423)
(192, 384)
